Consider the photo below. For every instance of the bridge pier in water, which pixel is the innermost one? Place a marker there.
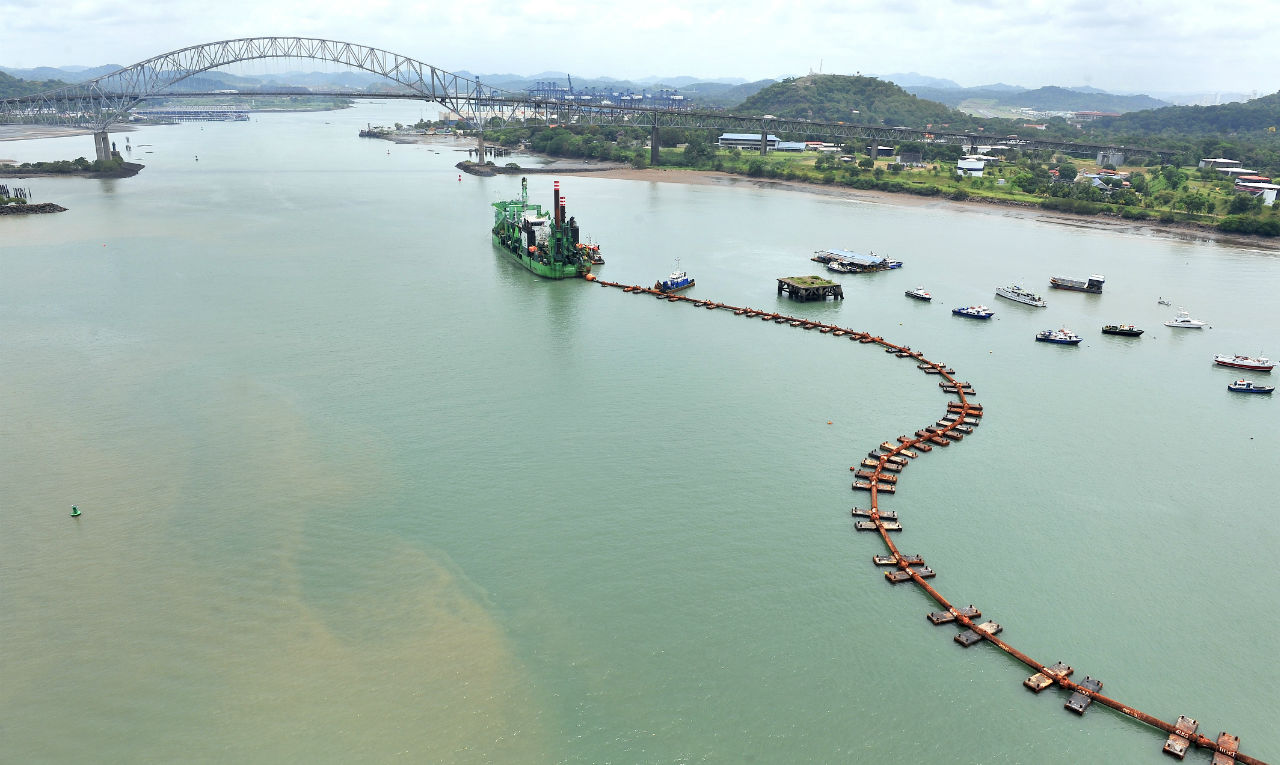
(102, 146)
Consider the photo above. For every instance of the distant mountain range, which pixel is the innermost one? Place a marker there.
(950, 93)
(1047, 99)
(722, 92)
(70, 74)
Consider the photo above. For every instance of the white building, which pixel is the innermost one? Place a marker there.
(1219, 163)
(1265, 190)
(971, 166)
(1113, 158)
(748, 141)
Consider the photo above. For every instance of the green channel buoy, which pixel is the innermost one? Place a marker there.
(75, 511)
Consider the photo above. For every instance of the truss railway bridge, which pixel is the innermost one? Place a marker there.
(109, 100)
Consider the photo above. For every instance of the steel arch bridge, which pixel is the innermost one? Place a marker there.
(104, 101)
(108, 100)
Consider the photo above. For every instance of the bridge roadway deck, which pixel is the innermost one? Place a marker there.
(902, 561)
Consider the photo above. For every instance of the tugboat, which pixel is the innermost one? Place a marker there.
(1259, 364)
(546, 244)
(919, 293)
(1184, 321)
(1127, 330)
(1060, 336)
(1093, 285)
(678, 280)
(1019, 295)
(1247, 386)
(974, 312)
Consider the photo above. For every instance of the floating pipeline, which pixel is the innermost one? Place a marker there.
(961, 413)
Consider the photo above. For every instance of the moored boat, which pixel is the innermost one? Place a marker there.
(679, 280)
(1019, 295)
(1127, 330)
(1255, 364)
(1062, 336)
(1247, 386)
(1184, 321)
(1092, 285)
(546, 244)
(919, 293)
(847, 261)
(974, 312)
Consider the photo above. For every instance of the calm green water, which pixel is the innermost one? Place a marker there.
(357, 489)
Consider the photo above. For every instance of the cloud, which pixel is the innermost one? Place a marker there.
(1138, 45)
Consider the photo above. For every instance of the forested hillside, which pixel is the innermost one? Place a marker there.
(852, 99)
(1259, 116)
(1049, 98)
(12, 86)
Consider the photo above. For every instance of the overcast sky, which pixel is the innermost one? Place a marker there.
(1118, 45)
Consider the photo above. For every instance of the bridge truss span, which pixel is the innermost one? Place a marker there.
(107, 100)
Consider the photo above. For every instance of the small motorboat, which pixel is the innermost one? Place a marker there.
(1125, 330)
(1060, 336)
(1162, 301)
(974, 312)
(1247, 386)
(919, 293)
(1184, 321)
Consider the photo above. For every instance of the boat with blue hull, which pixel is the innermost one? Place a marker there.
(1248, 386)
(1060, 336)
(679, 280)
(974, 312)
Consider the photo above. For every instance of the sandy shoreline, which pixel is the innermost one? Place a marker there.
(1182, 231)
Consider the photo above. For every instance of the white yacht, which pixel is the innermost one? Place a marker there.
(1017, 294)
(1184, 321)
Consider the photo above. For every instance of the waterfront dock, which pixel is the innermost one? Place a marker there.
(806, 288)
(902, 569)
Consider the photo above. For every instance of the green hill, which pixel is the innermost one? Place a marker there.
(722, 94)
(1049, 98)
(1053, 98)
(844, 98)
(1259, 116)
(11, 87)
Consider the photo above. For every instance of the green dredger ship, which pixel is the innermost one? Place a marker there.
(547, 245)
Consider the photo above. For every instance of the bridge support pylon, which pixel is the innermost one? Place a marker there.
(102, 146)
(654, 158)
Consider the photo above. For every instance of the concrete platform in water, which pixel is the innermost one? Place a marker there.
(871, 526)
(1180, 740)
(884, 515)
(1228, 746)
(1079, 702)
(1041, 680)
(903, 575)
